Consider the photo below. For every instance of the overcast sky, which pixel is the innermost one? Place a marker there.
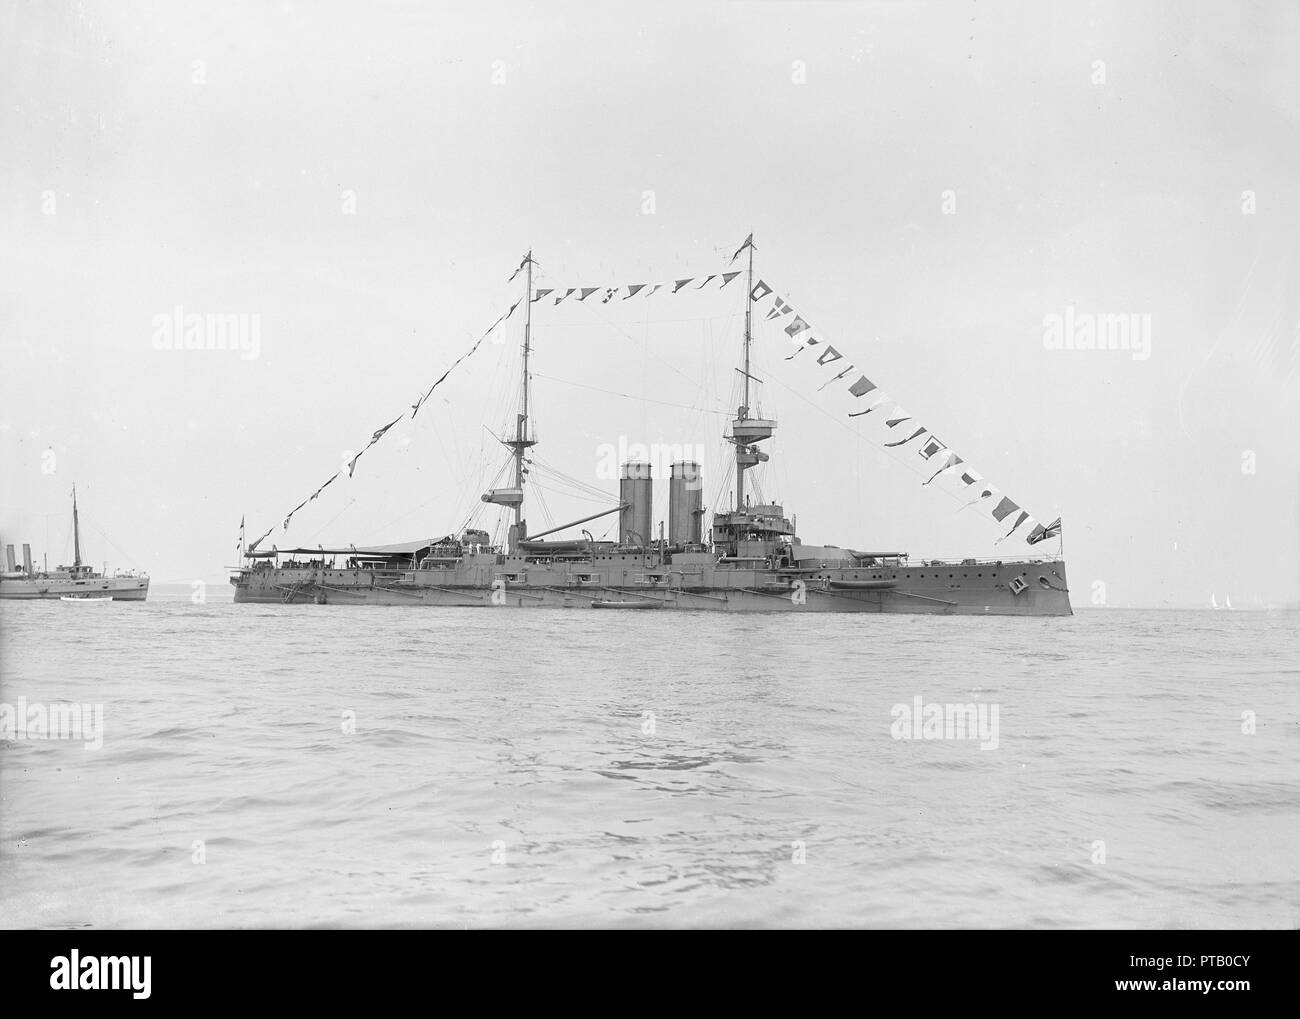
(927, 184)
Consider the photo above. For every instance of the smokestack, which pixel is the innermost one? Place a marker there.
(27, 557)
(9, 559)
(685, 503)
(636, 490)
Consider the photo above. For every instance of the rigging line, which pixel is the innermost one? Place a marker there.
(437, 434)
(505, 466)
(629, 396)
(603, 500)
(917, 472)
(574, 483)
(471, 518)
(559, 475)
(457, 462)
(497, 476)
(67, 536)
(459, 458)
(126, 555)
(724, 480)
(547, 518)
(505, 391)
(340, 513)
(455, 438)
(589, 500)
(1236, 313)
(629, 338)
(495, 438)
(645, 348)
(476, 507)
(397, 520)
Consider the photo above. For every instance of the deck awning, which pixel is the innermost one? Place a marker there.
(401, 548)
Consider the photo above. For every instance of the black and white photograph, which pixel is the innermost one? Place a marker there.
(722, 465)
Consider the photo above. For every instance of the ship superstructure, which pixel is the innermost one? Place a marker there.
(750, 559)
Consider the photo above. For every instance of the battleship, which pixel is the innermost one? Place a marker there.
(749, 559)
(78, 582)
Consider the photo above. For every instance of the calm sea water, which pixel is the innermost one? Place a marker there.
(334, 766)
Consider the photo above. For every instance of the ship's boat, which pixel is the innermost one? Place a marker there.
(749, 557)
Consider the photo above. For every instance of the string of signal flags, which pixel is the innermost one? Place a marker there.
(930, 448)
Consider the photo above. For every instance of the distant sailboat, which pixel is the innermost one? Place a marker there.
(1214, 604)
(1227, 601)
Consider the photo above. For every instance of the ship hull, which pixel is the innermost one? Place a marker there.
(1033, 588)
(55, 588)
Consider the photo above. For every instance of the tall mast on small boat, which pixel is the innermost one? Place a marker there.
(76, 531)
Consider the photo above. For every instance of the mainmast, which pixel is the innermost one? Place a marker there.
(743, 410)
(746, 430)
(76, 531)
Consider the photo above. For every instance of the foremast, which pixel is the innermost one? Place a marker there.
(749, 531)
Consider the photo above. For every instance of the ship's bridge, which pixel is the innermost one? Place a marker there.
(763, 522)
